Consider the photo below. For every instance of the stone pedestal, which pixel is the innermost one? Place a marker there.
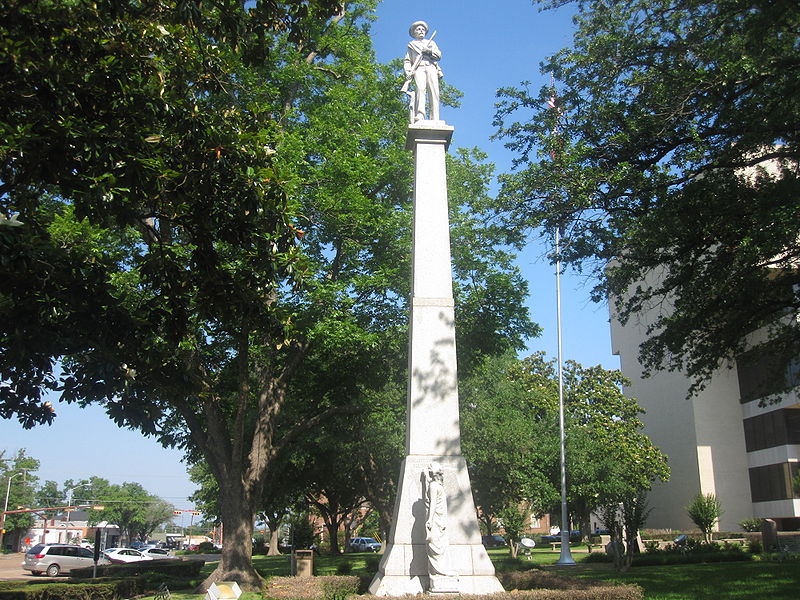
(433, 433)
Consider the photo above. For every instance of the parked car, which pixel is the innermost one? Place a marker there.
(54, 559)
(124, 555)
(155, 552)
(364, 544)
(137, 544)
(493, 541)
(574, 536)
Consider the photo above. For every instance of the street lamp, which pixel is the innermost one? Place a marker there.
(5, 508)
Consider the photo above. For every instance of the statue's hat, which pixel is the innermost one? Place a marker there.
(414, 26)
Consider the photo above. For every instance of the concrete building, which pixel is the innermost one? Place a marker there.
(738, 439)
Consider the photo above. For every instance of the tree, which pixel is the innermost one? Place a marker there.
(129, 506)
(48, 495)
(157, 512)
(671, 166)
(201, 200)
(18, 481)
(158, 253)
(511, 440)
(507, 437)
(514, 518)
(705, 510)
(624, 518)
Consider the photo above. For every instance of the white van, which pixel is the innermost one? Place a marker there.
(58, 558)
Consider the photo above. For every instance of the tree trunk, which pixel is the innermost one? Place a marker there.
(236, 563)
(332, 525)
(274, 540)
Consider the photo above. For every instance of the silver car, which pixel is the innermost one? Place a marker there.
(365, 544)
(58, 558)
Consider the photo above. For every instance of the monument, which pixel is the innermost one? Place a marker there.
(434, 544)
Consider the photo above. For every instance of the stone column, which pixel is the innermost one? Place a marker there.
(433, 433)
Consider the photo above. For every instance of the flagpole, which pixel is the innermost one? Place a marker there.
(565, 559)
(566, 556)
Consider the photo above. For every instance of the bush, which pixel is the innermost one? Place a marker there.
(339, 588)
(750, 525)
(372, 563)
(536, 584)
(705, 510)
(755, 547)
(207, 548)
(330, 587)
(174, 567)
(651, 546)
(678, 558)
(109, 590)
(344, 568)
(597, 557)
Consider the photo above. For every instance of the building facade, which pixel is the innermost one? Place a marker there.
(738, 439)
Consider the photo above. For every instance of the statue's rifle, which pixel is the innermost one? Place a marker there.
(414, 67)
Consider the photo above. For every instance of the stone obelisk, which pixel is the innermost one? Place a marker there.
(417, 547)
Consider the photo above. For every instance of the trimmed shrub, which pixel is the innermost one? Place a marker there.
(171, 566)
(677, 558)
(344, 568)
(536, 584)
(372, 563)
(110, 590)
(330, 587)
(750, 525)
(207, 548)
(339, 588)
(598, 592)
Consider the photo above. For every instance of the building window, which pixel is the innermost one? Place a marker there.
(763, 372)
(776, 428)
(773, 482)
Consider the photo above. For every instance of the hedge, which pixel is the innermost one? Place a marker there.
(170, 566)
(528, 585)
(329, 587)
(109, 590)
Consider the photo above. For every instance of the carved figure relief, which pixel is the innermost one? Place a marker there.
(442, 576)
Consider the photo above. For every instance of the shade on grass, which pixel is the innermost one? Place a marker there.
(718, 581)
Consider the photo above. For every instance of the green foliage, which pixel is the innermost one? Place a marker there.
(556, 586)
(705, 510)
(509, 417)
(750, 524)
(151, 572)
(78, 591)
(344, 568)
(301, 530)
(132, 508)
(18, 478)
(514, 518)
(205, 229)
(671, 165)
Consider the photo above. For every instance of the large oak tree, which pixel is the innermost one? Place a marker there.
(673, 151)
(205, 226)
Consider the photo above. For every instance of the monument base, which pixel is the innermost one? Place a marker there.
(404, 566)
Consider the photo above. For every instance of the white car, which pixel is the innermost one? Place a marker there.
(124, 555)
(156, 552)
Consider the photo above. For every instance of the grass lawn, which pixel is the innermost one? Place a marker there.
(726, 581)
(719, 581)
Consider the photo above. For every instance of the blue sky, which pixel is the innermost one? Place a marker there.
(485, 46)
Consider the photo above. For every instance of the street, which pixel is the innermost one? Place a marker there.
(11, 567)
